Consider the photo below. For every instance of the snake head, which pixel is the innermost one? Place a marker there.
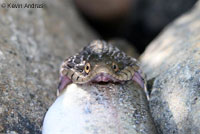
(99, 62)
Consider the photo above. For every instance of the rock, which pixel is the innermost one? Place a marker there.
(33, 42)
(174, 60)
(102, 98)
(100, 109)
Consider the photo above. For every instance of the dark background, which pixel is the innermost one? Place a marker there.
(137, 21)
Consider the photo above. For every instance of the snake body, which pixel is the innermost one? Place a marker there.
(100, 56)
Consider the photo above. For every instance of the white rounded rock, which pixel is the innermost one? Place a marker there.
(102, 109)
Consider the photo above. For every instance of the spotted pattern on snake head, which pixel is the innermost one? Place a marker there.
(100, 62)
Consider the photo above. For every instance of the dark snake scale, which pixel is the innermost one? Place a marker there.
(100, 62)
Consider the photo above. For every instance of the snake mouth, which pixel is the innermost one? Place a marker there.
(103, 78)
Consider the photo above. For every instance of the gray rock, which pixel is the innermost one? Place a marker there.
(33, 42)
(100, 109)
(99, 100)
(174, 60)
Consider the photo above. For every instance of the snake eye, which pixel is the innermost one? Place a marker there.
(87, 68)
(115, 67)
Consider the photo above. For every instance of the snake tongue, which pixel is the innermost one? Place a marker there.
(138, 78)
(64, 81)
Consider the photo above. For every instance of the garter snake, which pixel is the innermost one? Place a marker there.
(100, 62)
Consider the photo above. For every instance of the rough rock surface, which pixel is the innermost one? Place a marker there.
(33, 42)
(174, 60)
